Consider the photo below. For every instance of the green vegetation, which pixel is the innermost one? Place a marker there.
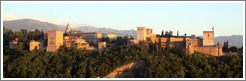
(78, 63)
(231, 49)
(119, 41)
(105, 39)
(23, 36)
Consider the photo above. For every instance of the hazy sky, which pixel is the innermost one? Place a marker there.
(190, 18)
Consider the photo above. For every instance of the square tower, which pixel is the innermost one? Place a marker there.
(141, 33)
(208, 38)
(55, 40)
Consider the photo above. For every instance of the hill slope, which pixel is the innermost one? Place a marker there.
(31, 24)
(234, 40)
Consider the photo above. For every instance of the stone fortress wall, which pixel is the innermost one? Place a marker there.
(190, 43)
(211, 50)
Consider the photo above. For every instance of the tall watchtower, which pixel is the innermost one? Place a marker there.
(208, 38)
(141, 33)
(55, 40)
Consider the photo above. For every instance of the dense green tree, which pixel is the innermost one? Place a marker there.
(162, 33)
(81, 63)
(233, 49)
(131, 37)
(240, 50)
(225, 47)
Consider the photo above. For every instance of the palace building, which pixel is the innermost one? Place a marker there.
(13, 43)
(33, 44)
(90, 37)
(190, 43)
(95, 37)
(73, 41)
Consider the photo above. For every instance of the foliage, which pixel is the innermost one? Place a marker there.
(225, 48)
(233, 49)
(120, 41)
(79, 63)
(105, 39)
(240, 50)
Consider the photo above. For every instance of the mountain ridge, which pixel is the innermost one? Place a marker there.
(32, 24)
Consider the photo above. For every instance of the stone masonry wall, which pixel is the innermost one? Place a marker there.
(141, 33)
(211, 50)
(208, 38)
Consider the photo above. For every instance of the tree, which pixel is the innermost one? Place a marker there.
(240, 50)
(225, 48)
(166, 33)
(233, 49)
(103, 39)
(20, 46)
(131, 37)
(65, 34)
(170, 33)
(162, 33)
(126, 37)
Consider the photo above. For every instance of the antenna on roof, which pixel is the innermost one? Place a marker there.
(177, 32)
(213, 28)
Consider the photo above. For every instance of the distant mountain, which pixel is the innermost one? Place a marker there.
(30, 25)
(234, 40)
(107, 30)
(59, 22)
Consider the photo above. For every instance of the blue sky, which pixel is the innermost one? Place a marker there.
(190, 18)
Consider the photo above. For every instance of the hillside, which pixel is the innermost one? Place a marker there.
(234, 40)
(107, 30)
(31, 24)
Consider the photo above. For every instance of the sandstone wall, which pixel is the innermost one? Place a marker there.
(208, 38)
(176, 39)
(33, 44)
(141, 33)
(55, 40)
(189, 47)
(197, 42)
(211, 50)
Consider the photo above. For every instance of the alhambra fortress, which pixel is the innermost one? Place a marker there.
(92, 41)
(190, 43)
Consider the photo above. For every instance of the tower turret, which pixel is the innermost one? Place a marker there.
(68, 28)
(213, 28)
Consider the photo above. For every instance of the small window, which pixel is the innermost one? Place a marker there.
(208, 35)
